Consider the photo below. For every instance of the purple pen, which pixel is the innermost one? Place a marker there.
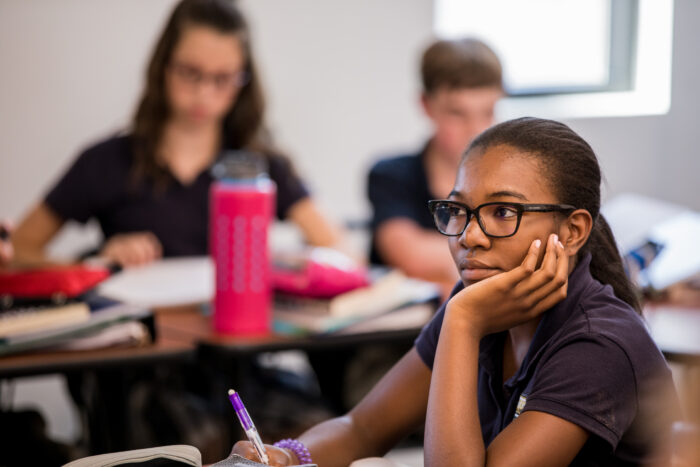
(250, 430)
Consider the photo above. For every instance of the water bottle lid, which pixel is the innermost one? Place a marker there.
(240, 165)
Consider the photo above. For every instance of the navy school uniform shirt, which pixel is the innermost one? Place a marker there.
(398, 188)
(99, 185)
(591, 362)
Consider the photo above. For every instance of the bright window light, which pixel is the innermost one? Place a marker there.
(542, 43)
(572, 58)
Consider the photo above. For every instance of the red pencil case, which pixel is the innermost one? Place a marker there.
(52, 284)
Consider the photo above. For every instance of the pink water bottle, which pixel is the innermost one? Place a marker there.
(242, 205)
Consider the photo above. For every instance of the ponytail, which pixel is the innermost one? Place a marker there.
(606, 263)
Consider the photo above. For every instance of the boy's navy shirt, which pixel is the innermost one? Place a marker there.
(591, 362)
(398, 187)
(99, 185)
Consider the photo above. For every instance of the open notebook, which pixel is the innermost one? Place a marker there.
(179, 455)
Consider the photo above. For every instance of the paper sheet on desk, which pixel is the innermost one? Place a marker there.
(631, 216)
(168, 282)
(680, 257)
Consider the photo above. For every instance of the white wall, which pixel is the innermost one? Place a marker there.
(658, 155)
(341, 81)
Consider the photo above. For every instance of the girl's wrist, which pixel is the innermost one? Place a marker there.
(296, 449)
(459, 321)
(292, 455)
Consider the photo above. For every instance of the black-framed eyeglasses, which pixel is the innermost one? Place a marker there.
(194, 76)
(497, 219)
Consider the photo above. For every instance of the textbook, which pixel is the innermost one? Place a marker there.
(385, 298)
(37, 318)
(179, 455)
(98, 321)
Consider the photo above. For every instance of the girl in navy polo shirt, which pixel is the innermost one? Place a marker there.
(148, 189)
(540, 356)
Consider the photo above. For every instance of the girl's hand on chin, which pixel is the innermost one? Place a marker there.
(514, 297)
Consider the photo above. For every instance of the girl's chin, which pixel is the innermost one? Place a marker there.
(471, 276)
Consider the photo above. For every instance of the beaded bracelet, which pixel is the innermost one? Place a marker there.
(297, 447)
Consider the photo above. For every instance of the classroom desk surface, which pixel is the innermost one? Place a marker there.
(675, 328)
(190, 323)
(181, 332)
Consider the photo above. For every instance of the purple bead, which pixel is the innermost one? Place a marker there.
(297, 447)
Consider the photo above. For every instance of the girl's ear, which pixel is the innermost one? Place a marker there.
(575, 230)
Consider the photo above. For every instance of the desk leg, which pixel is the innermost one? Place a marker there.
(331, 368)
(102, 397)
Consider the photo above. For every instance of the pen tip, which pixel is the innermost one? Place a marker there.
(231, 392)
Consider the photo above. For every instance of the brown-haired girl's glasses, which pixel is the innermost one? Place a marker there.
(497, 219)
(194, 76)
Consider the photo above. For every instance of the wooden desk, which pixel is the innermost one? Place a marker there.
(107, 373)
(230, 360)
(184, 335)
(188, 323)
(184, 330)
(181, 332)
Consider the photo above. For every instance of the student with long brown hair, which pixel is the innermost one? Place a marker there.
(540, 356)
(148, 188)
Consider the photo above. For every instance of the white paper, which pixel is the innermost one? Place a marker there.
(632, 216)
(679, 258)
(168, 282)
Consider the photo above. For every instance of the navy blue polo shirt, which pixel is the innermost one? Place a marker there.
(591, 362)
(398, 187)
(100, 185)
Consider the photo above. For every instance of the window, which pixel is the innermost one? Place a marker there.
(615, 54)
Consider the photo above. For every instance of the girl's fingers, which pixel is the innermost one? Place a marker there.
(133, 253)
(143, 249)
(527, 267)
(130, 256)
(545, 273)
(554, 289)
(134, 249)
(562, 261)
(550, 300)
(549, 262)
(154, 244)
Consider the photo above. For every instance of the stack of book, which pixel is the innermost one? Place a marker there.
(393, 301)
(24, 320)
(73, 326)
